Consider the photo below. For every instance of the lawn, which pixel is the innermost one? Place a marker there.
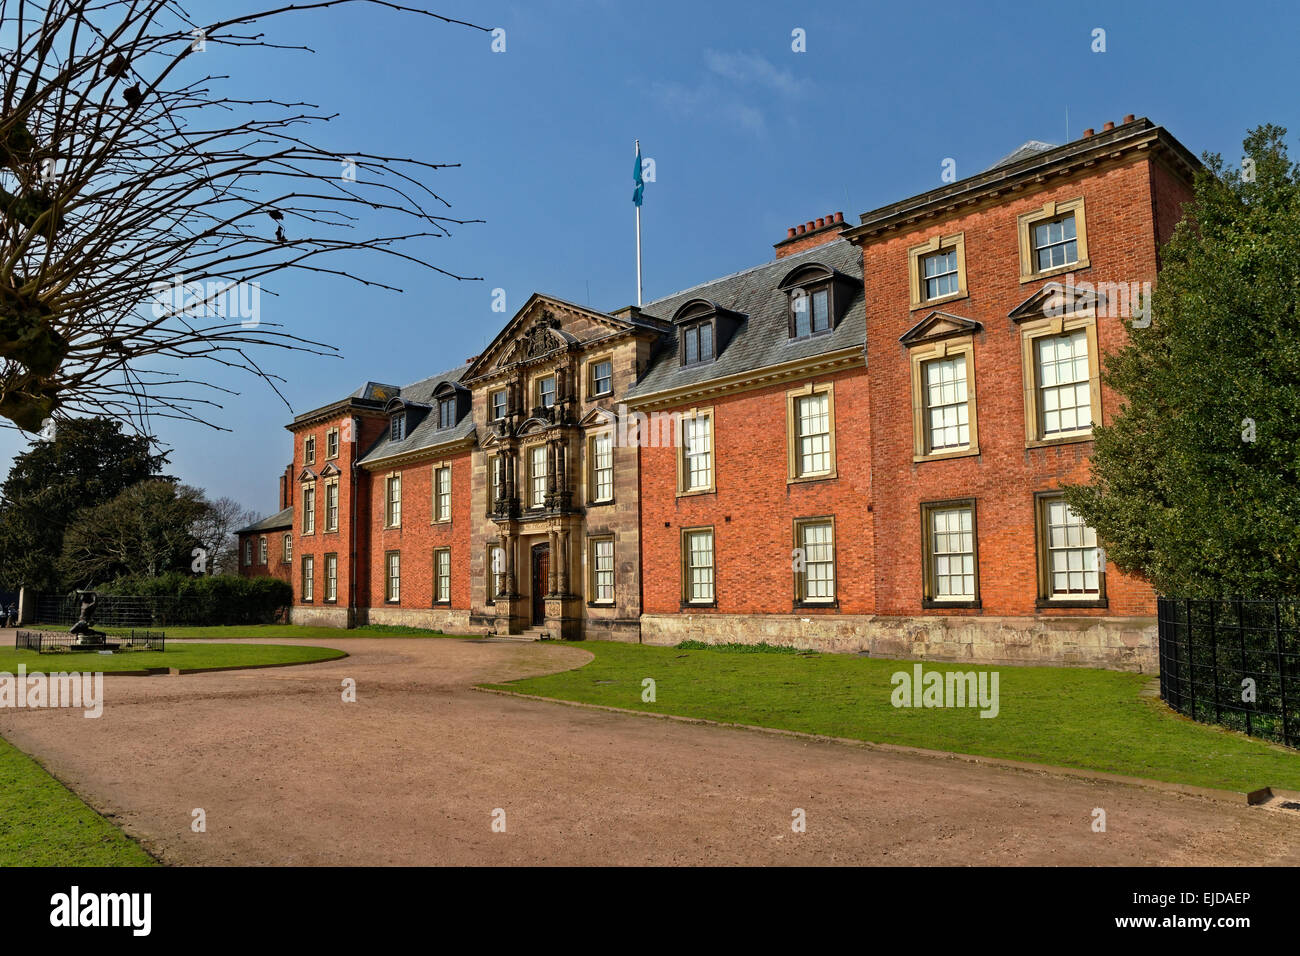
(42, 823)
(278, 631)
(1070, 717)
(183, 656)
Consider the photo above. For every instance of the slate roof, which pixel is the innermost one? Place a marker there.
(763, 339)
(422, 429)
(1031, 148)
(281, 519)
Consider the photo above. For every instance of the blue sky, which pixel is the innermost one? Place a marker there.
(748, 137)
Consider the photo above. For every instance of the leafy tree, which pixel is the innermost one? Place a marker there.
(89, 461)
(1196, 481)
(147, 530)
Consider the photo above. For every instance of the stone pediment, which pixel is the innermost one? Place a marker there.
(939, 325)
(307, 475)
(541, 329)
(541, 338)
(1054, 300)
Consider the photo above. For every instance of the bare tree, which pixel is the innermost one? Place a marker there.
(215, 530)
(137, 200)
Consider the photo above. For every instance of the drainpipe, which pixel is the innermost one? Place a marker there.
(352, 543)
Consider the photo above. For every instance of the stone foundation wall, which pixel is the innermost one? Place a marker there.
(329, 615)
(447, 620)
(1113, 643)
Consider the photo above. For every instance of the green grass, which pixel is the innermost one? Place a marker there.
(43, 823)
(183, 656)
(1069, 717)
(276, 631)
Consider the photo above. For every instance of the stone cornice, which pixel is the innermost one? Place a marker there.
(749, 380)
(1121, 143)
(419, 454)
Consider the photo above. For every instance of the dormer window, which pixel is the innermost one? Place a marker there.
(818, 296)
(397, 427)
(446, 412)
(697, 343)
(810, 311)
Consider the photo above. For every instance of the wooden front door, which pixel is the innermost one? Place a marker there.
(541, 571)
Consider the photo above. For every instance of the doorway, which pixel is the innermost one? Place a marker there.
(541, 571)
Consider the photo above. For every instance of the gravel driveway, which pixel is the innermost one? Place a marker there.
(287, 773)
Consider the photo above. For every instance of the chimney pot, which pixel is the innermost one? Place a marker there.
(811, 225)
(821, 221)
(789, 233)
(1128, 118)
(1110, 124)
(802, 229)
(839, 217)
(1087, 132)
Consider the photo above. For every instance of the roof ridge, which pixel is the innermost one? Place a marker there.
(733, 275)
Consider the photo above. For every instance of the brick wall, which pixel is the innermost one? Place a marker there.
(754, 508)
(1004, 476)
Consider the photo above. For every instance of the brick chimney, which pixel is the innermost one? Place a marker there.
(286, 487)
(814, 232)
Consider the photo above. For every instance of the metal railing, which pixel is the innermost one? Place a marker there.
(1233, 661)
(55, 642)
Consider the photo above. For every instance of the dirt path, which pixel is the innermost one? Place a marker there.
(411, 774)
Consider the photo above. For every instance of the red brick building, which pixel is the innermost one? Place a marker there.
(266, 546)
(857, 446)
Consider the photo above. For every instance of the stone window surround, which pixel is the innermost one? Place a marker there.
(920, 355)
(1051, 209)
(1033, 330)
(793, 474)
(928, 600)
(800, 602)
(915, 255)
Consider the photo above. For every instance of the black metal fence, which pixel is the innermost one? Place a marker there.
(127, 610)
(54, 642)
(1233, 661)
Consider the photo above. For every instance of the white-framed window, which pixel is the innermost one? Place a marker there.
(947, 407)
(308, 578)
(495, 568)
(332, 506)
(816, 540)
(331, 577)
(697, 452)
(602, 377)
(442, 576)
(397, 427)
(442, 493)
(952, 566)
(308, 509)
(602, 467)
(939, 273)
(393, 501)
(288, 548)
(602, 570)
(813, 434)
(261, 549)
(498, 405)
(393, 577)
(309, 450)
(546, 391)
(332, 443)
(1056, 243)
(248, 553)
(697, 566)
(1064, 387)
(1073, 565)
(537, 476)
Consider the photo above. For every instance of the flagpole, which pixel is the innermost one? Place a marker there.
(638, 242)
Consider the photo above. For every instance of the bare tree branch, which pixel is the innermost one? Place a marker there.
(140, 208)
